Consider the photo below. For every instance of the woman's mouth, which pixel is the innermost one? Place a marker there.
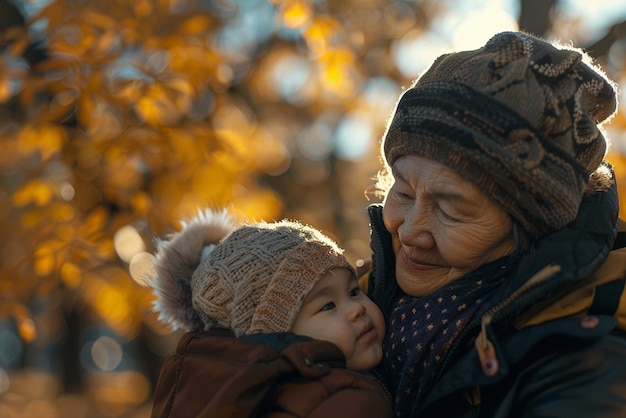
(415, 264)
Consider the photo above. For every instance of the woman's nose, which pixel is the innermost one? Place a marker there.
(416, 230)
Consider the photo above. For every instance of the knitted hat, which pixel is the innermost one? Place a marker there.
(518, 118)
(250, 279)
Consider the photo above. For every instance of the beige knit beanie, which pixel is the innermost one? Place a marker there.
(250, 278)
(519, 118)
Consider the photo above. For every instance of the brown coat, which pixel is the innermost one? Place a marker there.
(215, 375)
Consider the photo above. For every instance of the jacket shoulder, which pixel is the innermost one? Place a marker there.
(574, 380)
(601, 293)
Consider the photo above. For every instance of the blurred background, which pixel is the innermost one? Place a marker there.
(118, 118)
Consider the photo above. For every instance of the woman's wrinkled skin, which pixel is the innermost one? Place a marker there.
(442, 226)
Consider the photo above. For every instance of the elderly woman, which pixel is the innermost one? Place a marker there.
(493, 249)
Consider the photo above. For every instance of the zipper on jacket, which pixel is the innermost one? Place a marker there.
(484, 347)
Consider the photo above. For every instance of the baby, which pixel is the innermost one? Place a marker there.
(277, 323)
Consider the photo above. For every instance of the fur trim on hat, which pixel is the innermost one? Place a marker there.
(176, 261)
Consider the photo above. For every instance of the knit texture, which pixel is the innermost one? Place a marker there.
(255, 279)
(519, 118)
(250, 278)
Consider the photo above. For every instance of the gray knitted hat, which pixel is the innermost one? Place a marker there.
(518, 118)
(248, 278)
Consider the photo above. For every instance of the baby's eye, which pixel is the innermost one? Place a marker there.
(329, 306)
(355, 291)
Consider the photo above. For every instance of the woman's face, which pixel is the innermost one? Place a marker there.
(442, 226)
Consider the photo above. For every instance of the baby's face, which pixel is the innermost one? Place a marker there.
(336, 310)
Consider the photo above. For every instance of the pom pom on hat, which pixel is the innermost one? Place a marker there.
(177, 260)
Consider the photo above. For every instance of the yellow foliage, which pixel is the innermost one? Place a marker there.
(112, 295)
(236, 152)
(122, 177)
(6, 89)
(183, 92)
(85, 108)
(66, 233)
(295, 14)
(112, 305)
(157, 107)
(270, 153)
(166, 192)
(94, 223)
(319, 34)
(47, 140)
(71, 275)
(104, 249)
(261, 204)
(37, 192)
(186, 151)
(17, 40)
(103, 120)
(142, 8)
(62, 212)
(26, 328)
(337, 74)
(32, 218)
(45, 258)
(195, 25)
(141, 202)
(127, 93)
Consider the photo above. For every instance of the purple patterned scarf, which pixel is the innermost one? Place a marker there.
(421, 330)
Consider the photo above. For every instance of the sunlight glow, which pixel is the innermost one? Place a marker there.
(128, 242)
(595, 18)
(475, 28)
(354, 136)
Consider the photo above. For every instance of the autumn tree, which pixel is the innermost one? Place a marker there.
(117, 118)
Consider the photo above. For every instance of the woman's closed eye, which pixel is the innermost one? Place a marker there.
(447, 215)
(404, 194)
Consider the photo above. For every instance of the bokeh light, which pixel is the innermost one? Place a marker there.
(354, 137)
(106, 353)
(141, 268)
(128, 242)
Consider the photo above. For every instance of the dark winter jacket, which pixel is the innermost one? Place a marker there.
(215, 375)
(556, 327)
